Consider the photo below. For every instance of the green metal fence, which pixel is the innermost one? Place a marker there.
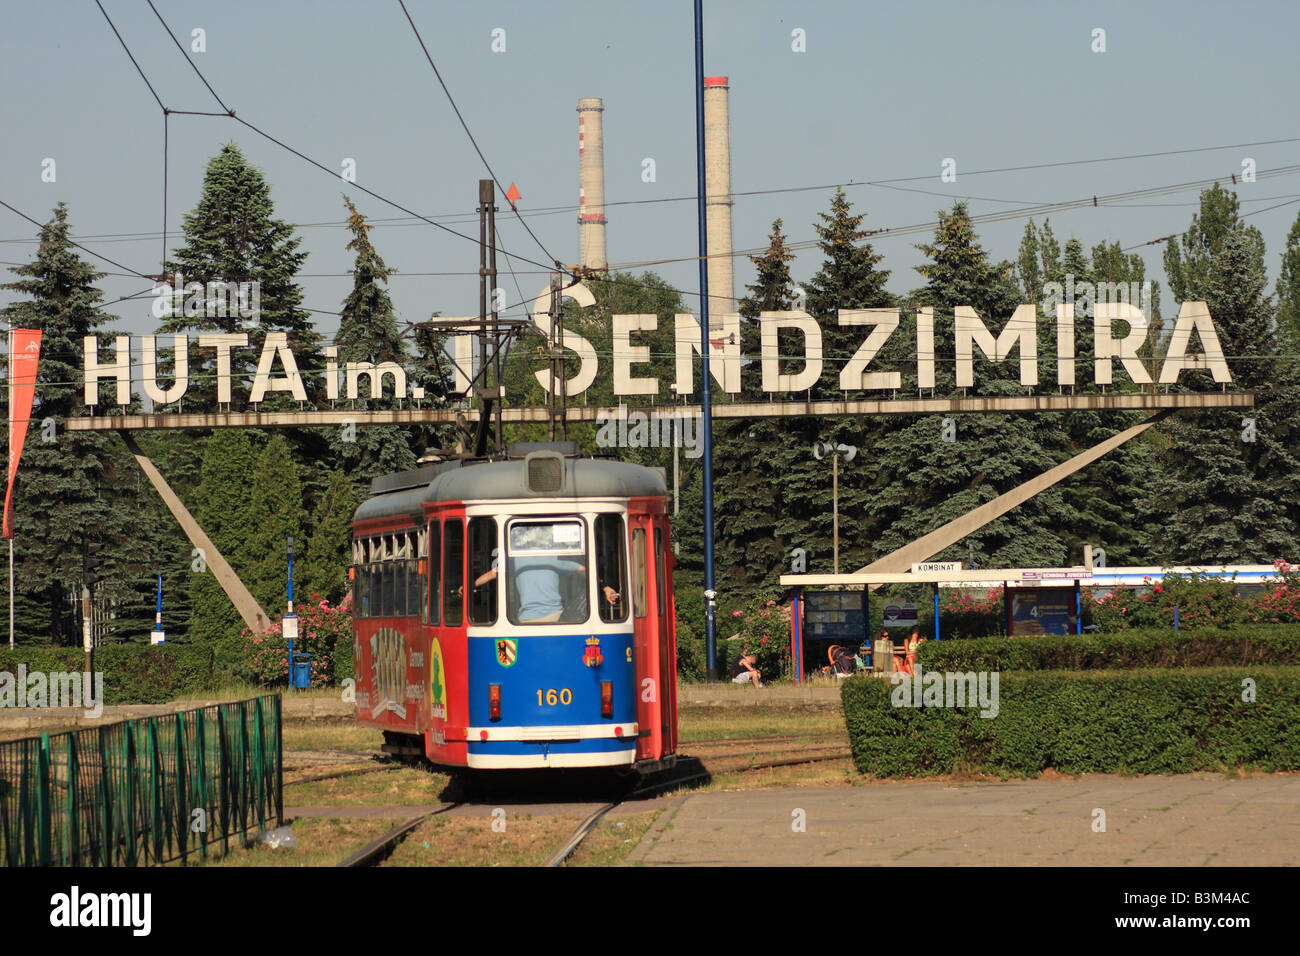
(142, 792)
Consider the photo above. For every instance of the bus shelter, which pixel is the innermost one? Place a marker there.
(837, 607)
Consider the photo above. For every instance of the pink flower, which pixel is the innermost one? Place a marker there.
(737, 613)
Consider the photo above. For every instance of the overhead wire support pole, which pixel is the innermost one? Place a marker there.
(710, 595)
(483, 389)
(554, 398)
(499, 393)
(562, 383)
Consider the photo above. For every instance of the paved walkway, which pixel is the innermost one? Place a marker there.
(1185, 820)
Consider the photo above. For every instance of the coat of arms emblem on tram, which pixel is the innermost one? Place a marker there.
(507, 650)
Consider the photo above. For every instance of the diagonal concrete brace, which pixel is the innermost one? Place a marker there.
(931, 544)
(244, 602)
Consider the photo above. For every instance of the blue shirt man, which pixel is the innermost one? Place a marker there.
(541, 599)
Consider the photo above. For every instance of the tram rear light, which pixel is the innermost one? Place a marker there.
(606, 698)
(494, 701)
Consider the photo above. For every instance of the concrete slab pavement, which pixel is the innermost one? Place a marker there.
(1185, 820)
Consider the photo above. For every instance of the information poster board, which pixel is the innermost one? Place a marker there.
(899, 612)
(835, 615)
(1041, 610)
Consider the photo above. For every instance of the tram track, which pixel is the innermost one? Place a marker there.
(728, 755)
(378, 850)
(689, 774)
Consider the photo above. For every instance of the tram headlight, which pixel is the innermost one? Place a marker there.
(606, 698)
(494, 701)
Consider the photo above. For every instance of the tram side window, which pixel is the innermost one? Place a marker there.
(659, 572)
(611, 567)
(435, 566)
(413, 580)
(361, 590)
(393, 575)
(639, 579)
(376, 576)
(453, 573)
(483, 555)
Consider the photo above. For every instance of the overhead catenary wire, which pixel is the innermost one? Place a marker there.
(488, 166)
(1039, 209)
(231, 114)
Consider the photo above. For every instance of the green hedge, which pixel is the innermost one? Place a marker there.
(1207, 647)
(1134, 721)
(133, 673)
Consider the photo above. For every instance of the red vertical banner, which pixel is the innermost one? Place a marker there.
(24, 356)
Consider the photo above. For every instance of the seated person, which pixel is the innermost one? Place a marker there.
(745, 672)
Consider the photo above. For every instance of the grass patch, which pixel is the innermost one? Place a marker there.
(613, 838)
(332, 736)
(470, 841)
(408, 786)
(719, 723)
(321, 842)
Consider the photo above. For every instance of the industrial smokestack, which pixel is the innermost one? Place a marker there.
(591, 184)
(717, 193)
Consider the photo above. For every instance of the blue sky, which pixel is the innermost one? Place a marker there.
(882, 92)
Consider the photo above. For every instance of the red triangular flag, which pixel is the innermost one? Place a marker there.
(513, 194)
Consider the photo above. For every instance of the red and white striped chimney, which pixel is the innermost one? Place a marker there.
(717, 194)
(591, 184)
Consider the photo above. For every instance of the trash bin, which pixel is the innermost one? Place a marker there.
(301, 671)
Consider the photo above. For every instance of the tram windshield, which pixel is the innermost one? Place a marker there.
(547, 571)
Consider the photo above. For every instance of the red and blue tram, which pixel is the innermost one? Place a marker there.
(518, 613)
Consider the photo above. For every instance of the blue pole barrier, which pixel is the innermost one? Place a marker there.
(710, 594)
(936, 612)
(1078, 610)
(1175, 617)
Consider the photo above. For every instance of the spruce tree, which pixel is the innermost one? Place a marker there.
(328, 552)
(1029, 269)
(772, 288)
(232, 236)
(1288, 284)
(921, 480)
(1231, 479)
(71, 486)
(276, 513)
(225, 512)
(368, 333)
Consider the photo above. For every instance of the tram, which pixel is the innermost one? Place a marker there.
(517, 613)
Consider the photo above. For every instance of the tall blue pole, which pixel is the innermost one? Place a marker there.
(710, 595)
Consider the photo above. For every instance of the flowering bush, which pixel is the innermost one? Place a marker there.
(324, 632)
(961, 615)
(765, 628)
(1202, 601)
(1280, 602)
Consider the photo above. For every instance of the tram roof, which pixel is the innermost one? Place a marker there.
(476, 481)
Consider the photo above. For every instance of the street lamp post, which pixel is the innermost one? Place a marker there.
(822, 449)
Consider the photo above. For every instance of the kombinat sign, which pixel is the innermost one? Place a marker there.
(1120, 330)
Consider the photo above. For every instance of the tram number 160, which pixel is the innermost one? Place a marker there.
(554, 697)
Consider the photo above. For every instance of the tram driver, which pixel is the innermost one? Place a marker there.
(541, 596)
